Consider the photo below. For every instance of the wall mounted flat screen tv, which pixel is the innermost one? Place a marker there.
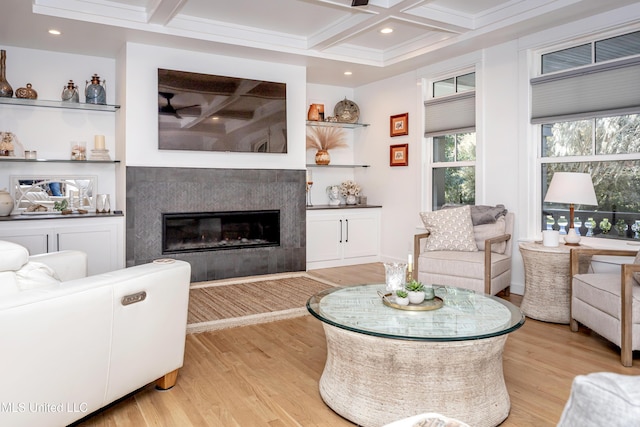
(202, 112)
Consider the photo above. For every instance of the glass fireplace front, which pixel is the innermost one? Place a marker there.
(211, 231)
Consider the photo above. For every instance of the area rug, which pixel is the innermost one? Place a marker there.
(224, 304)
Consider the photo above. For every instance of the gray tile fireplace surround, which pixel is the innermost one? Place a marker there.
(153, 191)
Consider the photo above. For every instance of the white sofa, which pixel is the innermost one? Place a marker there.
(73, 345)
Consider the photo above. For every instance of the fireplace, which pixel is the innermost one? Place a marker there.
(156, 191)
(212, 231)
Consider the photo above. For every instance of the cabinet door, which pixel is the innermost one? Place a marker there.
(37, 241)
(361, 235)
(97, 241)
(324, 234)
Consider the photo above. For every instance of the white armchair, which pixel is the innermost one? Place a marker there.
(608, 303)
(476, 257)
(72, 344)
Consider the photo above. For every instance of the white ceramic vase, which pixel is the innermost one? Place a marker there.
(6, 203)
(402, 301)
(416, 297)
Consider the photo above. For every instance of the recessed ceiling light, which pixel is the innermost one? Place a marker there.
(215, 118)
(54, 32)
(347, 73)
(386, 30)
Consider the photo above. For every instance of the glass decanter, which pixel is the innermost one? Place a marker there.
(590, 224)
(562, 223)
(577, 223)
(621, 227)
(550, 222)
(636, 229)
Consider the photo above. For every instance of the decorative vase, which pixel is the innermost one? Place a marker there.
(550, 222)
(605, 226)
(95, 92)
(562, 223)
(6, 203)
(621, 227)
(402, 301)
(635, 227)
(395, 274)
(416, 297)
(322, 157)
(351, 199)
(577, 223)
(26, 92)
(70, 93)
(590, 223)
(313, 114)
(6, 91)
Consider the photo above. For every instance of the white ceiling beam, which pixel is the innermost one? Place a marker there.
(164, 11)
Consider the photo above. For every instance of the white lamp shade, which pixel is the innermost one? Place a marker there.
(571, 188)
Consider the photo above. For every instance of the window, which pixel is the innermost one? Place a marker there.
(450, 127)
(590, 122)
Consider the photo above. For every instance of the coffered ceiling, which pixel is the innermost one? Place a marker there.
(328, 36)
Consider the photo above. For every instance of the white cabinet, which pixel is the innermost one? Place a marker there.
(101, 238)
(342, 236)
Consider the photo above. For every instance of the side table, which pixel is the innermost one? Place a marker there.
(547, 281)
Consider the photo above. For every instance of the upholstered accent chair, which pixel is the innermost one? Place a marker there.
(608, 303)
(468, 247)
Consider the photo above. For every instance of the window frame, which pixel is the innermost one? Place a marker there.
(536, 130)
(429, 164)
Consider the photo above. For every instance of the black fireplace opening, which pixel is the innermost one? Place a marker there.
(212, 231)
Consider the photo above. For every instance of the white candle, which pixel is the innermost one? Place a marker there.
(99, 142)
(410, 259)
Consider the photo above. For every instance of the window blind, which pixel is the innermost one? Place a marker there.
(450, 114)
(608, 89)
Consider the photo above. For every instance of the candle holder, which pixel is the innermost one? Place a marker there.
(309, 185)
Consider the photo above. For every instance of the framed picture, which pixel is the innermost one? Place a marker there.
(400, 124)
(399, 155)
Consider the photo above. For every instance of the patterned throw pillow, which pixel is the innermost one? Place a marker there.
(450, 230)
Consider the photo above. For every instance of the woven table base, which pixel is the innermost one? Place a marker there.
(373, 381)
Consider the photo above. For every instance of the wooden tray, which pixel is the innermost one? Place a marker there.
(425, 305)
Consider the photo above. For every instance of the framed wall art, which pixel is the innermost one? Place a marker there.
(399, 124)
(399, 155)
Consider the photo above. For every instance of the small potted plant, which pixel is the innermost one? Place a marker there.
(402, 297)
(415, 292)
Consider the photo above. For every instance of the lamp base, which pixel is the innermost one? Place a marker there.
(572, 238)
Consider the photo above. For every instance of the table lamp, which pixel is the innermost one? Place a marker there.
(572, 188)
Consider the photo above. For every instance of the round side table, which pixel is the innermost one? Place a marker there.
(547, 281)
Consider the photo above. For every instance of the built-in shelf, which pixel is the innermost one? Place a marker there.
(337, 124)
(58, 104)
(313, 165)
(10, 159)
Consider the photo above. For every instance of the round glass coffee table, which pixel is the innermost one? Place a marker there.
(384, 364)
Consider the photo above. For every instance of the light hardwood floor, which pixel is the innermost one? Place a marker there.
(267, 375)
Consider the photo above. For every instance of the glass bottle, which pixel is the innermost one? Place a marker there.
(563, 222)
(635, 227)
(605, 225)
(577, 223)
(621, 227)
(550, 222)
(590, 224)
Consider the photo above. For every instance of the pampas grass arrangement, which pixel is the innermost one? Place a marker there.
(325, 138)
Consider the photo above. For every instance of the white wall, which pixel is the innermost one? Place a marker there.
(396, 188)
(141, 127)
(49, 131)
